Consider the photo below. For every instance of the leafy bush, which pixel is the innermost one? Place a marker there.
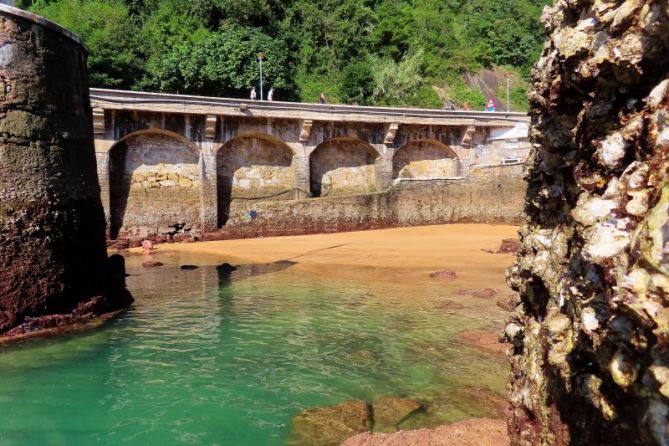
(357, 83)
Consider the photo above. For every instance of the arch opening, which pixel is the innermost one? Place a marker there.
(426, 159)
(155, 184)
(342, 166)
(250, 168)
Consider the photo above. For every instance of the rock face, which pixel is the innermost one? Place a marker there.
(52, 243)
(474, 432)
(590, 363)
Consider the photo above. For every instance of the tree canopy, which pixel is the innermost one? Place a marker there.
(399, 52)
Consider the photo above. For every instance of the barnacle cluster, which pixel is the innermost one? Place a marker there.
(590, 329)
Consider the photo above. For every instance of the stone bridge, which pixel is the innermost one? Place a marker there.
(175, 161)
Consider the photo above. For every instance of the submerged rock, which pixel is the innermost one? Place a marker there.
(390, 412)
(329, 426)
(188, 267)
(486, 341)
(152, 264)
(474, 432)
(509, 246)
(484, 293)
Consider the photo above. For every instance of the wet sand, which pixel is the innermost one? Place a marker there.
(395, 254)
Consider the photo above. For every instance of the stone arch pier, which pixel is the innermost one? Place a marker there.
(155, 184)
(169, 164)
(254, 166)
(425, 159)
(343, 166)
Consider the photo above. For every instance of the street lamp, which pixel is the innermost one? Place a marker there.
(508, 96)
(260, 56)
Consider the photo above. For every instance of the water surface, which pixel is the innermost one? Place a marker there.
(206, 357)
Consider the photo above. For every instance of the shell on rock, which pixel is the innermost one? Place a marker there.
(589, 319)
(589, 211)
(605, 242)
(623, 369)
(612, 150)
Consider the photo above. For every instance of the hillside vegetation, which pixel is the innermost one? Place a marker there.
(380, 52)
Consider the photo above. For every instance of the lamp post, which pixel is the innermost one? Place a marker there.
(508, 96)
(260, 56)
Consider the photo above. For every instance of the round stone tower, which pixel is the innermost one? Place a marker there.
(53, 262)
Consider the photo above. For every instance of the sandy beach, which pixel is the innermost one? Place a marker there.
(404, 253)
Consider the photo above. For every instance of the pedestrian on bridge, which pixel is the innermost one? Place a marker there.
(321, 99)
(253, 94)
(270, 94)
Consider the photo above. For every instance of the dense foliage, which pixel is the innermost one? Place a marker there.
(392, 52)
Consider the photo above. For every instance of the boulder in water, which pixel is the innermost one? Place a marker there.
(389, 412)
(325, 426)
(474, 432)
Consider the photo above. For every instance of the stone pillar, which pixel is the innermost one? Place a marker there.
(52, 242)
(102, 148)
(590, 330)
(302, 171)
(209, 192)
(383, 166)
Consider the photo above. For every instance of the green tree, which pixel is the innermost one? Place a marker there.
(225, 64)
(106, 29)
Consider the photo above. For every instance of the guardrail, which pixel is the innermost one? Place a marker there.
(133, 99)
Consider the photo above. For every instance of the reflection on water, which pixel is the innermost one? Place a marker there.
(221, 356)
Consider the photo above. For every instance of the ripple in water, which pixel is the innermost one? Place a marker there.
(206, 357)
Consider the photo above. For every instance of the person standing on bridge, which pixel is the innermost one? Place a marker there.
(321, 99)
(253, 94)
(270, 94)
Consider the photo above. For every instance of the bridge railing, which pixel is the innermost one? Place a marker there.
(133, 99)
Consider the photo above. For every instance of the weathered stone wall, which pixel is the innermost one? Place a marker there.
(155, 186)
(321, 132)
(342, 166)
(253, 168)
(52, 243)
(425, 159)
(487, 195)
(590, 332)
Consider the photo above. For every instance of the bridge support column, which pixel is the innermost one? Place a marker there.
(209, 191)
(302, 172)
(102, 148)
(383, 167)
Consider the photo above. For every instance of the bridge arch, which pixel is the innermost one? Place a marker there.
(343, 166)
(155, 184)
(252, 167)
(425, 158)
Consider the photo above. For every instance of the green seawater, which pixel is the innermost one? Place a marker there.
(211, 358)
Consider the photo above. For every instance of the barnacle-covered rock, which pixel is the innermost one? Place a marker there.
(590, 363)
